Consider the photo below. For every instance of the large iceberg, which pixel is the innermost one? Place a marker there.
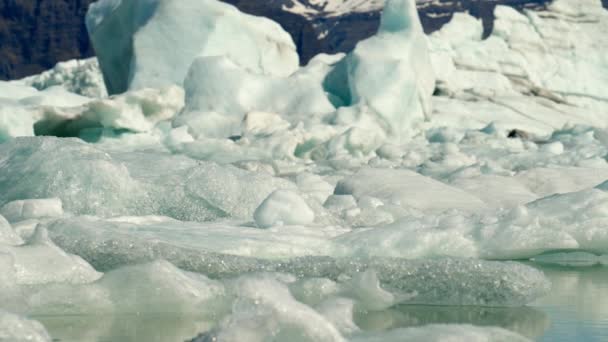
(390, 72)
(152, 43)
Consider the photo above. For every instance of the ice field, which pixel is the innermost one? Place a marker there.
(418, 188)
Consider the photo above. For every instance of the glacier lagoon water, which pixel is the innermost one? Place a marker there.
(575, 310)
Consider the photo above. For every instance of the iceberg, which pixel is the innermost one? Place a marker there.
(143, 44)
(390, 73)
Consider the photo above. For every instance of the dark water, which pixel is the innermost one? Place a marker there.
(575, 310)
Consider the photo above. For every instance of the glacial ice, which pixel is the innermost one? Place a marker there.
(283, 207)
(152, 43)
(389, 73)
(371, 202)
(541, 69)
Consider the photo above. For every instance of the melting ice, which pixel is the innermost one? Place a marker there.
(267, 201)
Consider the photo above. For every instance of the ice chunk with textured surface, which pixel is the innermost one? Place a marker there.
(265, 309)
(224, 252)
(40, 261)
(283, 207)
(86, 179)
(154, 288)
(152, 43)
(406, 188)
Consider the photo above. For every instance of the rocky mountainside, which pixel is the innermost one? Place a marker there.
(36, 34)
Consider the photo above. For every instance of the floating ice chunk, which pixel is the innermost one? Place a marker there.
(7, 235)
(365, 288)
(14, 328)
(283, 207)
(138, 243)
(160, 287)
(389, 72)
(32, 209)
(153, 288)
(152, 43)
(406, 188)
(447, 332)
(228, 251)
(40, 261)
(265, 309)
(314, 291)
(340, 313)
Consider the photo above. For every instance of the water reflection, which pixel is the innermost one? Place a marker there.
(526, 321)
(577, 304)
(149, 328)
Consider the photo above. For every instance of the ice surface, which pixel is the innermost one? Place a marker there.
(372, 205)
(406, 188)
(152, 43)
(40, 261)
(283, 207)
(207, 250)
(91, 181)
(86, 179)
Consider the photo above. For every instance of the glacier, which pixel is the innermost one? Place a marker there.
(193, 175)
